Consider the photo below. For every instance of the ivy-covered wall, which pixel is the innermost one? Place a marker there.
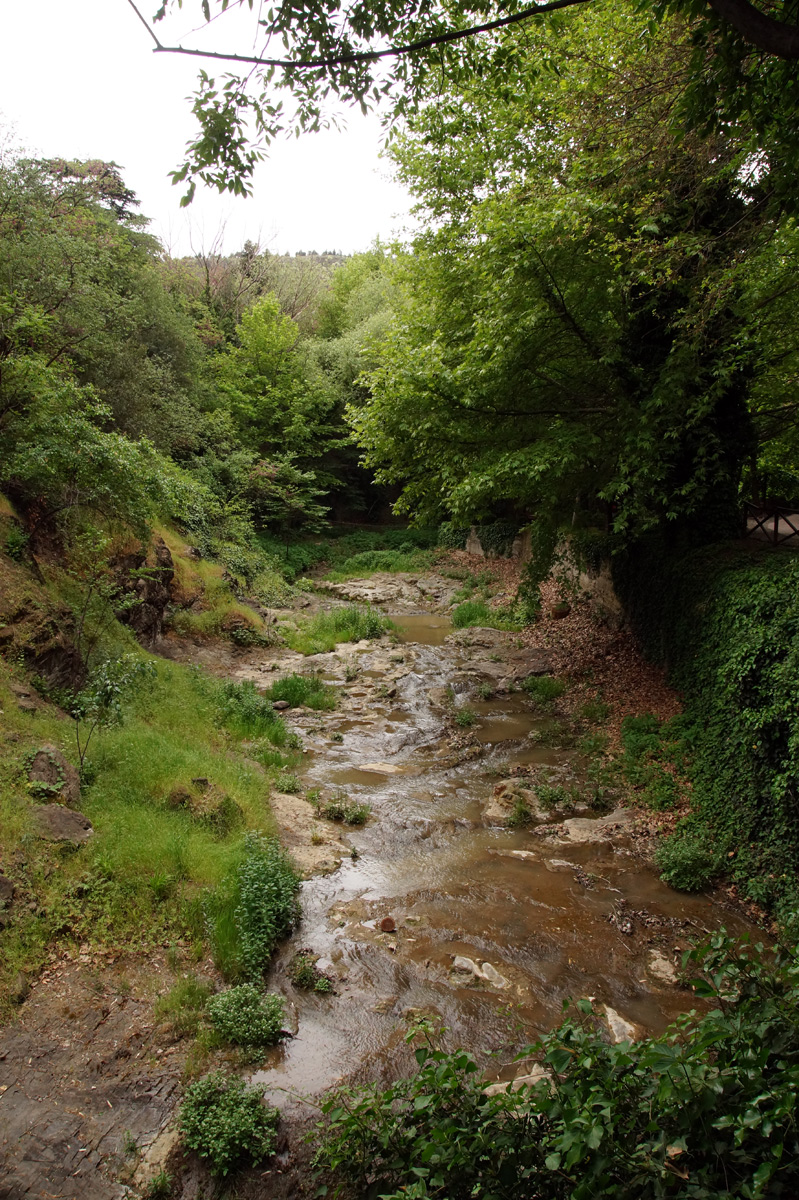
(724, 620)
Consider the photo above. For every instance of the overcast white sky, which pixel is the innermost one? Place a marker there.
(78, 79)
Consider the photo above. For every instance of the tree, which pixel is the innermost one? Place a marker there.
(388, 52)
(579, 332)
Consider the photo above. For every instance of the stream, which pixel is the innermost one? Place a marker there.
(494, 928)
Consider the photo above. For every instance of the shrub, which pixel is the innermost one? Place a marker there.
(705, 1110)
(247, 1017)
(686, 861)
(465, 717)
(226, 1121)
(253, 909)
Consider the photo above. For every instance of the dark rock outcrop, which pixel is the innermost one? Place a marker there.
(55, 776)
(147, 576)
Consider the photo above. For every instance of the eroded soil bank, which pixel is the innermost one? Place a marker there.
(435, 906)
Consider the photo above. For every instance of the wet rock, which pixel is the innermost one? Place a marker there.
(57, 824)
(20, 989)
(604, 829)
(491, 975)
(55, 776)
(280, 705)
(388, 925)
(662, 969)
(503, 801)
(379, 768)
(461, 965)
(291, 1020)
(620, 1029)
(385, 1005)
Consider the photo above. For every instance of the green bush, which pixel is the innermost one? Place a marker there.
(253, 908)
(686, 860)
(707, 1110)
(725, 619)
(465, 717)
(247, 1017)
(288, 782)
(227, 1122)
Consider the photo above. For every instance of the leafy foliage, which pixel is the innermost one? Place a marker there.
(707, 1109)
(247, 1017)
(726, 621)
(227, 1122)
(252, 909)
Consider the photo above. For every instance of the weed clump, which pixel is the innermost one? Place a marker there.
(308, 690)
(477, 612)
(247, 1017)
(686, 862)
(226, 1122)
(254, 907)
(544, 690)
(465, 717)
(341, 808)
(184, 1005)
(304, 973)
(349, 623)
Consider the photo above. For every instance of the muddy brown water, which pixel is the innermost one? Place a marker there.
(535, 909)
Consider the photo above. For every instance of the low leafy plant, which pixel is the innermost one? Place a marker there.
(594, 711)
(227, 1122)
(289, 783)
(485, 691)
(253, 908)
(159, 1187)
(707, 1109)
(304, 973)
(465, 717)
(247, 1017)
(248, 714)
(520, 815)
(341, 808)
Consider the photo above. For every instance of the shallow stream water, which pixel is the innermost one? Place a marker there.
(541, 918)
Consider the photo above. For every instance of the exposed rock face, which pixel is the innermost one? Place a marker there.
(58, 824)
(56, 775)
(148, 576)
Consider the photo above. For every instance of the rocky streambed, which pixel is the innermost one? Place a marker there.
(433, 907)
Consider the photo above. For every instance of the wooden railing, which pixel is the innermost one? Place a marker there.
(773, 524)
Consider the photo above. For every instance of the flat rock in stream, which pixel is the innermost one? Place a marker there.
(600, 829)
(314, 845)
(380, 768)
(504, 799)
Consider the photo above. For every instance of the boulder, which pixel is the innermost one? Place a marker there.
(58, 824)
(55, 776)
(619, 1028)
(662, 969)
